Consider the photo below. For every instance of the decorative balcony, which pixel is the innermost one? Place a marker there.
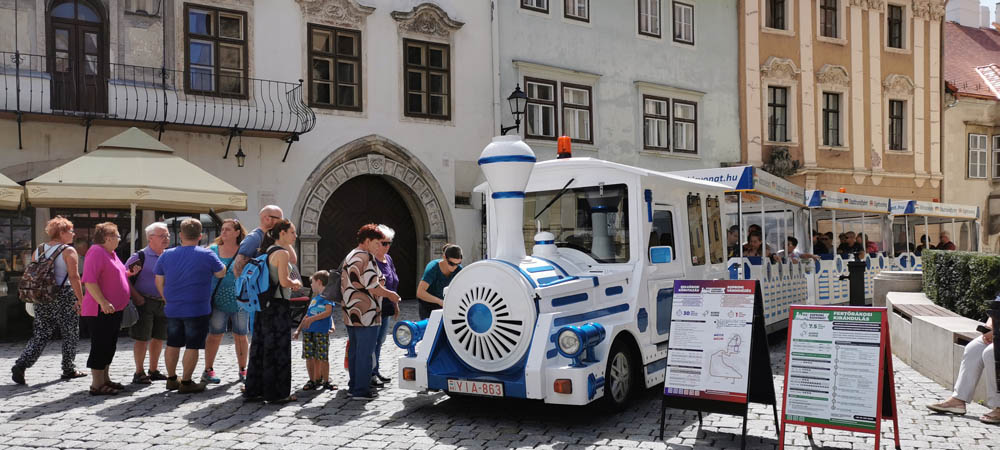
(50, 88)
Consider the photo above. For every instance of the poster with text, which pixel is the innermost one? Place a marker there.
(708, 355)
(833, 367)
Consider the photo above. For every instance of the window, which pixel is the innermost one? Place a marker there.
(715, 248)
(996, 156)
(695, 230)
(576, 112)
(656, 123)
(335, 68)
(777, 114)
(896, 124)
(573, 218)
(683, 23)
(831, 119)
(173, 221)
(85, 223)
(427, 72)
(776, 14)
(16, 239)
(577, 10)
(540, 109)
(536, 5)
(216, 56)
(828, 18)
(662, 230)
(685, 124)
(895, 30)
(977, 156)
(649, 17)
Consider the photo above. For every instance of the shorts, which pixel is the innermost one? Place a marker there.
(315, 346)
(240, 320)
(187, 332)
(152, 323)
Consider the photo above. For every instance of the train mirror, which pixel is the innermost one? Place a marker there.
(661, 254)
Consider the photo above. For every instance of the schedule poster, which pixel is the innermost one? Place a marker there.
(708, 355)
(833, 368)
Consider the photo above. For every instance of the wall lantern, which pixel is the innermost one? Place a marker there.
(517, 101)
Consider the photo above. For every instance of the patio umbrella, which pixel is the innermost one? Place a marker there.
(133, 170)
(11, 193)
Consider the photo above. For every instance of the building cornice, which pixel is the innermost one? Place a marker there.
(427, 18)
(340, 13)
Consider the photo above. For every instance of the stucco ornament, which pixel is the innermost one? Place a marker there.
(343, 13)
(376, 163)
(776, 68)
(878, 5)
(833, 75)
(876, 159)
(937, 11)
(427, 18)
(897, 84)
(922, 9)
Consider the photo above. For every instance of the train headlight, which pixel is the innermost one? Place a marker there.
(407, 333)
(574, 341)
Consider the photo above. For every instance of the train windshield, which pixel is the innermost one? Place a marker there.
(592, 220)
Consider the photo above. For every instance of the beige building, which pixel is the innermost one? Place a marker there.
(850, 87)
(972, 116)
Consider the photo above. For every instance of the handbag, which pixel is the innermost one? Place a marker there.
(130, 315)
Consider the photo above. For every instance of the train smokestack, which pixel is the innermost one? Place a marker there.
(507, 163)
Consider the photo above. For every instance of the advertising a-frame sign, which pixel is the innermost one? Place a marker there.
(717, 357)
(838, 371)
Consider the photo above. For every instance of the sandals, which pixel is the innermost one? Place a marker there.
(993, 417)
(115, 385)
(330, 387)
(289, 399)
(155, 375)
(104, 390)
(310, 385)
(71, 375)
(141, 378)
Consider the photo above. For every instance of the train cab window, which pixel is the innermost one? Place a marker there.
(662, 230)
(695, 230)
(592, 220)
(715, 249)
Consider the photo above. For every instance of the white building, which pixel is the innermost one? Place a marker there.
(650, 83)
(387, 103)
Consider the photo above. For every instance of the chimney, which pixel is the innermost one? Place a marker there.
(965, 12)
(984, 17)
(507, 163)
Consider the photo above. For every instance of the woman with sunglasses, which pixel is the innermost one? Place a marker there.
(390, 311)
(225, 311)
(437, 276)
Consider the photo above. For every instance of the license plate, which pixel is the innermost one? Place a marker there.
(476, 387)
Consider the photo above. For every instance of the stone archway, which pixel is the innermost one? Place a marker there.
(374, 155)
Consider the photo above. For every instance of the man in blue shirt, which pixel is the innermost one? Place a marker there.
(184, 280)
(437, 276)
(250, 246)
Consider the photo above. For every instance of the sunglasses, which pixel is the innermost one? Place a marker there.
(453, 264)
(275, 217)
(386, 243)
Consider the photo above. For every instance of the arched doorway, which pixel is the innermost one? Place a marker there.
(78, 55)
(369, 199)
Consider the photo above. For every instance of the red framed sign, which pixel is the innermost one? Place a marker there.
(838, 371)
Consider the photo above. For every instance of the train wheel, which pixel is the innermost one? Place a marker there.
(620, 377)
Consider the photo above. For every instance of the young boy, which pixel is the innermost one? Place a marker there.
(315, 338)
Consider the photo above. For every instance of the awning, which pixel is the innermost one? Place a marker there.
(134, 170)
(11, 193)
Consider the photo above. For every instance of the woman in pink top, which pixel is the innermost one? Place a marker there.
(107, 295)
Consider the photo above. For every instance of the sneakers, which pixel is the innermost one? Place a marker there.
(243, 375)
(17, 374)
(383, 379)
(376, 383)
(173, 384)
(155, 375)
(371, 396)
(190, 387)
(208, 376)
(944, 407)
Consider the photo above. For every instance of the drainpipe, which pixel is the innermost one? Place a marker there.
(495, 60)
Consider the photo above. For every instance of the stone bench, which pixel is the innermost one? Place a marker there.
(929, 338)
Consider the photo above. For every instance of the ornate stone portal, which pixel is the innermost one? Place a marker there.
(372, 155)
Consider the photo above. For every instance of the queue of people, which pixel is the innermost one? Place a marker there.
(185, 301)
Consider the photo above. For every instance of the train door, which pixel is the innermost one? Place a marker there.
(661, 275)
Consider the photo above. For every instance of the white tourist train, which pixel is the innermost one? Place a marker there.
(585, 315)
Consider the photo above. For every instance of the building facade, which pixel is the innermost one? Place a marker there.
(850, 88)
(972, 117)
(649, 83)
(348, 112)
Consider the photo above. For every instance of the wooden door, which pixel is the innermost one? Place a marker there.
(78, 57)
(370, 199)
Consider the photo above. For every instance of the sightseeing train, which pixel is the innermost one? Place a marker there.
(586, 315)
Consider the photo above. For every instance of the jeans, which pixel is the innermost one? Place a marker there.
(383, 331)
(360, 353)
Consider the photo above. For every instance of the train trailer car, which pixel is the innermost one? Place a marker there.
(586, 316)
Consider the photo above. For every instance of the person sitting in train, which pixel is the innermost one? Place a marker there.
(754, 245)
(819, 245)
(733, 241)
(849, 245)
(923, 245)
(869, 245)
(794, 254)
(944, 241)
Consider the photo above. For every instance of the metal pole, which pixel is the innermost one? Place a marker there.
(763, 229)
(906, 232)
(953, 235)
(809, 229)
(836, 236)
(864, 241)
(927, 232)
(131, 237)
(739, 240)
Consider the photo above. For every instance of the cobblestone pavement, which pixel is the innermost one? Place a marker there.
(51, 413)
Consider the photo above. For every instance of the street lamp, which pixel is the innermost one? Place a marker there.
(241, 157)
(517, 101)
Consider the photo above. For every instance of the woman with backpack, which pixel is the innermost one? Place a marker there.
(58, 304)
(225, 311)
(269, 374)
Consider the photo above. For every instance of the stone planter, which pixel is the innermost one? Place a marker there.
(896, 281)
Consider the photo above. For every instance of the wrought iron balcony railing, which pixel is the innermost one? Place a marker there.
(46, 85)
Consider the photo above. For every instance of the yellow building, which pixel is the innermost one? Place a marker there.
(851, 88)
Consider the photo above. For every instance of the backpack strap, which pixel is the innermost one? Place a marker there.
(62, 248)
(277, 286)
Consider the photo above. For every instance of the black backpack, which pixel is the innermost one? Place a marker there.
(332, 291)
